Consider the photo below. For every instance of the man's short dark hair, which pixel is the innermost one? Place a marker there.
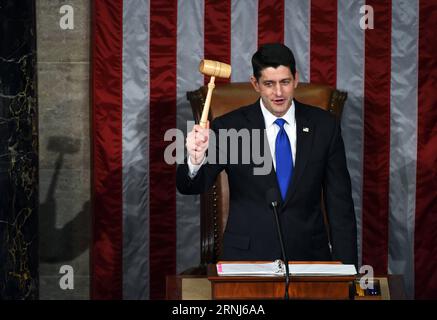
(273, 55)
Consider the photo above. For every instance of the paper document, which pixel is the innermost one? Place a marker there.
(325, 269)
(277, 268)
(256, 269)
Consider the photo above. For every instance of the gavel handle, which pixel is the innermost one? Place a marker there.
(204, 118)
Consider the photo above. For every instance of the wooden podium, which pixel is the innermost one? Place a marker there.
(273, 287)
(198, 287)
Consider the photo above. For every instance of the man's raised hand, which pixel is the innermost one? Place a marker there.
(197, 143)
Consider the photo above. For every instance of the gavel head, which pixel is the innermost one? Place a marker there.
(215, 68)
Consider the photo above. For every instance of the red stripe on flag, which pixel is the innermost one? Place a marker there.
(377, 138)
(217, 38)
(270, 21)
(106, 251)
(425, 240)
(163, 32)
(323, 61)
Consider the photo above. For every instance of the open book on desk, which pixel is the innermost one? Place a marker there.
(277, 268)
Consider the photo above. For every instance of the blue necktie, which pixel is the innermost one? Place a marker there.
(284, 158)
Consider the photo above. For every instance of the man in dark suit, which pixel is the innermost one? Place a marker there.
(307, 155)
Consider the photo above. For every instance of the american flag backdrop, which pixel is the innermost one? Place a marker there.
(145, 58)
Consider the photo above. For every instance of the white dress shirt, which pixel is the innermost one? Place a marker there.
(272, 130)
(193, 168)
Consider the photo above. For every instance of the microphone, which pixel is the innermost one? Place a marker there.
(273, 200)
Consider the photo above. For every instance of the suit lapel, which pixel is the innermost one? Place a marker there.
(256, 120)
(255, 116)
(304, 142)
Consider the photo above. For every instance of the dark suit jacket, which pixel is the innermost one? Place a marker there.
(250, 232)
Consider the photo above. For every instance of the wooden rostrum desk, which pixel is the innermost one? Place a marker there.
(213, 286)
(273, 287)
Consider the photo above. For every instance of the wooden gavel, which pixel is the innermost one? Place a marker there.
(214, 69)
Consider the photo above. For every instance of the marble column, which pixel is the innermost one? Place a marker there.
(18, 152)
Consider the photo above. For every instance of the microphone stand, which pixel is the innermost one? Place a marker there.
(284, 256)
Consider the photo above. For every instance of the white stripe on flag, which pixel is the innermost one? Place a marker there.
(189, 53)
(136, 149)
(350, 78)
(403, 140)
(297, 34)
(244, 38)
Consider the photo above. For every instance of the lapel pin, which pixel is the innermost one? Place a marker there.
(306, 129)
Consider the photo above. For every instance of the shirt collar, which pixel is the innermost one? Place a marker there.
(270, 118)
